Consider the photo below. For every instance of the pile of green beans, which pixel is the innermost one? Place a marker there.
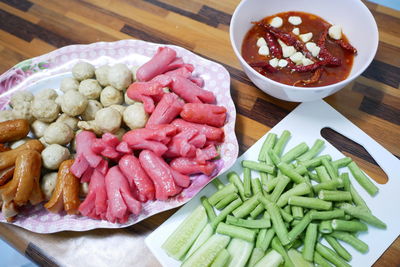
(297, 199)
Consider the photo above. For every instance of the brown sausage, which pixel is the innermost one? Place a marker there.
(6, 175)
(7, 158)
(66, 193)
(13, 130)
(27, 172)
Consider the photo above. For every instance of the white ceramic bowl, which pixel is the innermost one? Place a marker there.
(356, 20)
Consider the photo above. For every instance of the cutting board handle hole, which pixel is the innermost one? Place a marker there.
(357, 152)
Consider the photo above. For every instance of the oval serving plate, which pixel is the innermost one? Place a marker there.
(48, 70)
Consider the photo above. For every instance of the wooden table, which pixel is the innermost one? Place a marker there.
(30, 28)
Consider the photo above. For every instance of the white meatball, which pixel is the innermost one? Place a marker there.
(73, 103)
(90, 88)
(39, 128)
(6, 115)
(54, 155)
(89, 126)
(120, 108)
(48, 93)
(92, 107)
(18, 143)
(128, 100)
(21, 96)
(69, 83)
(135, 116)
(48, 184)
(119, 76)
(82, 71)
(58, 100)
(102, 75)
(72, 122)
(110, 96)
(108, 120)
(41, 139)
(134, 70)
(45, 110)
(23, 111)
(58, 133)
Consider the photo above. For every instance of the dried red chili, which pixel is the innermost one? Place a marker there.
(345, 45)
(313, 79)
(264, 65)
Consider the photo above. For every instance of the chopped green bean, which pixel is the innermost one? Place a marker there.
(277, 221)
(234, 179)
(283, 181)
(325, 227)
(236, 232)
(326, 215)
(323, 174)
(362, 179)
(349, 226)
(357, 199)
(247, 182)
(297, 190)
(217, 183)
(362, 214)
(290, 172)
(274, 157)
(321, 261)
(277, 245)
(331, 195)
(297, 212)
(295, 152)
(248, 206)
(351, 240)
(300, 227)
(264, 178)
(261, 223)
(256, 185)
(300, 169)
(270, 185)
(266, 239)
(209, 209)
(258, 166)
(314, 176)
(315, 162)
(281, 142)
(287, 217)
(223, 192)
(330, 185)
(314, 150)
(333, 172)
(340, 163)
(268, 144)
(227, 210)
(310, 203)
(330, 255)
(257, 211)
(340, 250)
(225, 201)
(309, 242)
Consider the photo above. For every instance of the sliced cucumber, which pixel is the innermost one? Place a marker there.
(205, 254)
(179, 242)
(256, 256)
(201, 239)
(240, 251)
(222, 259)
(298, 259)
(272, 259)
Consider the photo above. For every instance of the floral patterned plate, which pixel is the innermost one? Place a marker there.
(48, 70)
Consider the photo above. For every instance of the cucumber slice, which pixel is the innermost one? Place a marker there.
(272, 259)
(240, 251)
(201, 239)
(256, 256)
(205, 254)
(298, 259)
(222, 259)
(179, 242)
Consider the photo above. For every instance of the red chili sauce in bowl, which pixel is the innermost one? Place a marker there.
(330, 65)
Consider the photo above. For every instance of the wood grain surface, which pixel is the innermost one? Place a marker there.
(34, 27)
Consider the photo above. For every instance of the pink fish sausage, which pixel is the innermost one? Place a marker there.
(166, 110)
(204, 114)
(158, 64)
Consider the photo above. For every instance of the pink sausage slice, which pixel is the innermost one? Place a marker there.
(158, 64)
(204, 114)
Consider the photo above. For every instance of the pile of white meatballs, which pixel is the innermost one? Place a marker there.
(93, 99)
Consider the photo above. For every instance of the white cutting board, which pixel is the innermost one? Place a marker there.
(305, 123)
